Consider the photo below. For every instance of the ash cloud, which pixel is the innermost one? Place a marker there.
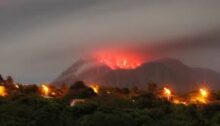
(208, 39)
(39, 39)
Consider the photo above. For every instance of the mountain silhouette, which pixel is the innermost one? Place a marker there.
(164, 72)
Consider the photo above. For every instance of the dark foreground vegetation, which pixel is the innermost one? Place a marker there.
(111, 107)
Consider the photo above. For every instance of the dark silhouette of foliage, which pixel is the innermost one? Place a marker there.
(78, 85)
(9, 80)
(152, 87)
(28, 108)
(78, 91)
(1, 79)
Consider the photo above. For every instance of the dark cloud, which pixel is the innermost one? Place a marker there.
(208, 39)
(40, 38)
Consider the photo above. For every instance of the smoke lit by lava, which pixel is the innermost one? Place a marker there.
(120, 59)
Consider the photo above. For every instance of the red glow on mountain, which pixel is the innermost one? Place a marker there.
(119, 60)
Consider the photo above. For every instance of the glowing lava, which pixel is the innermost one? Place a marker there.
(201, 97)
(167, 93)
(203, 93)
(45, 90)
(3, 91)
(95, 88)
(179, 101)
(119, 60)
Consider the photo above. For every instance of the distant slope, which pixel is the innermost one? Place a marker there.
(164, 72)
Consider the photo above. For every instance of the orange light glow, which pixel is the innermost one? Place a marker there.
(45, 90)
(119, 59)
(17, 86)
(53, 93)
(203, 93)
(3, 91)
(95, 88)
(178, 101)
(167, 92)
(201, 97)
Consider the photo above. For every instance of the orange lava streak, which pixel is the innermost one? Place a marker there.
(203, 93)
(3, 91)
(45, 90)
(201, 97)
(167, 93)
(95, 88)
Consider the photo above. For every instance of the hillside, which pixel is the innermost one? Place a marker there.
(167, 71)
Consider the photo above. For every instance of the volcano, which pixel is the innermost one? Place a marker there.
(166, 71)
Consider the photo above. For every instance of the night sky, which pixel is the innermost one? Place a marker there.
(41, 38)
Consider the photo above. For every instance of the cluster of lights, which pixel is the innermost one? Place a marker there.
(201, 97)
(45, 90)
